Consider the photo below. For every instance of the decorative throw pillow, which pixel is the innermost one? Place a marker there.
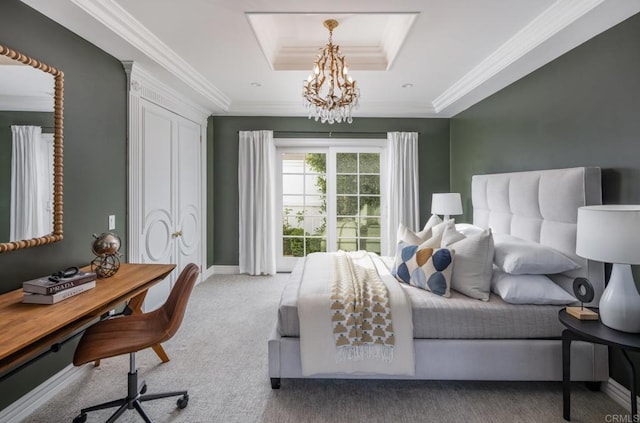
(519, 256)
(528, 289)
(471, 274)
(409, 237)
(425, 267)
(427, 231)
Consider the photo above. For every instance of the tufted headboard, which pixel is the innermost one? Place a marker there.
(542, 206)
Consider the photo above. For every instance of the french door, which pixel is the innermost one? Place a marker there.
(331, 198)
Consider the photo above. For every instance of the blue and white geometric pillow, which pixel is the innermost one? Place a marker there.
(424, 267)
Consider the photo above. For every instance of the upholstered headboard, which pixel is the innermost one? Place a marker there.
(542, 206)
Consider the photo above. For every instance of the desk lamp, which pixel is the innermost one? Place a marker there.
(611, 233)
(446, 204)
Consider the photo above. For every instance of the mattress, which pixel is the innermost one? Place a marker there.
(457, 317)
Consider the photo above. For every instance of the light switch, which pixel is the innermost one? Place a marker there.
(112, 222)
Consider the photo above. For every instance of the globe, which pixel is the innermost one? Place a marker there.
(105, 246)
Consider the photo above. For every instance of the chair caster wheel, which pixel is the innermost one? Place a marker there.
(81, 418)
(144, 389)
(182, 402)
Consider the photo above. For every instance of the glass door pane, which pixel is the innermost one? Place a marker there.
(304, 203)
(358, 201)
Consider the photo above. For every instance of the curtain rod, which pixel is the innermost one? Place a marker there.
(331, 133)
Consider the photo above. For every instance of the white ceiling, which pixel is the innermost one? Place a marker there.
(221, 54)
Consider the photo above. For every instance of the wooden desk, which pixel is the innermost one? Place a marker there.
(28, 329)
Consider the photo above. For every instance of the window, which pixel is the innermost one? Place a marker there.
(331, 197)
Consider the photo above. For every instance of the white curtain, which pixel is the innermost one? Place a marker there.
(257, 188)
(403, 193)
(31, 183)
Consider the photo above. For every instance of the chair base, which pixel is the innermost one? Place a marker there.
(133, 401)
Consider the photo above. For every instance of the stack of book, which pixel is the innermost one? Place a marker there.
(47, 291)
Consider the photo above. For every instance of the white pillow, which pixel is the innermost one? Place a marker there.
(473, 266)
(467, 229)
(427, 231)
(519, 256)
(528, 289)
(405, 234)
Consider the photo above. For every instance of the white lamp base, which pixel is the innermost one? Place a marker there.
(620, 302)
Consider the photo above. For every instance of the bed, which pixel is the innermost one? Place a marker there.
(462, 338)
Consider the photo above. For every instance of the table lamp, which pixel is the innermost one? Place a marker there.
(611, 233)
(446, 204)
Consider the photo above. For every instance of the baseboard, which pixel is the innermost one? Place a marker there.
(22, 408)
(618, 393)
(226, 270)
(209, 271)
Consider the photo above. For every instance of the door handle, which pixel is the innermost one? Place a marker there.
(176, 234)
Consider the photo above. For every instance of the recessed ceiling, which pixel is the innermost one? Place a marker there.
(370, 41)
(249, 57)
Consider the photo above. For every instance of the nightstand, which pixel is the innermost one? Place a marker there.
(594, 331)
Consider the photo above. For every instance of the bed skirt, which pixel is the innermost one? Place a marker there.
(466, 359)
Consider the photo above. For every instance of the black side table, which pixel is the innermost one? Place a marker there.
(594, 331)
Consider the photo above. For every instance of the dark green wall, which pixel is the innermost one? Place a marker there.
(95, 152)
(7, 118)
(582, 109)
(433, 158)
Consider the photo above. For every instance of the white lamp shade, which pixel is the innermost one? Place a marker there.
(609, 233)
(446, 203)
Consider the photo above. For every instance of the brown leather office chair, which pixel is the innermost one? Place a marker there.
(128, 334)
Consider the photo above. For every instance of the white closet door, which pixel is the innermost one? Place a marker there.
(158, 137)
(189, 193)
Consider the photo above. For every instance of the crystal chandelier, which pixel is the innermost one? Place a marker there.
(330, 93)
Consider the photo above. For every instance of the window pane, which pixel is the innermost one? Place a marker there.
(370, 184)
(315, 245)
(348, 244)
(291, 222)
(347, 162)
(316, 163)
(292, 184)
(346, 227)
(371, 245)
(293, 247)
(370, 227)
(315, 184)
(370, 163)
(292, 201)
(369, 206)
(314, 204)
(347, 206)
(347, 184)
(292, 163)
(315, 225)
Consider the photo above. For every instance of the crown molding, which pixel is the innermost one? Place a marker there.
(294, 108)
(555, 18)
(114, 17)
(144, 84)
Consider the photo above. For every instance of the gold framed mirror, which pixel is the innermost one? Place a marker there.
(30, 90)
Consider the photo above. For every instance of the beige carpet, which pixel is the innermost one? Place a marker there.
(220, 356)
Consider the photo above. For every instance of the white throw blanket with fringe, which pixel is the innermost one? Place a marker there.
(355, 278)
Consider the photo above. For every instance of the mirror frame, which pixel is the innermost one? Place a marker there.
(58, 77)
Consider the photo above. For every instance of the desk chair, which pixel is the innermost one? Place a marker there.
(135, 332)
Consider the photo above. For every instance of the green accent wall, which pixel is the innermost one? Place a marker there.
(433, 146)
(579, 110)
(95, 171)
(8, 118)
